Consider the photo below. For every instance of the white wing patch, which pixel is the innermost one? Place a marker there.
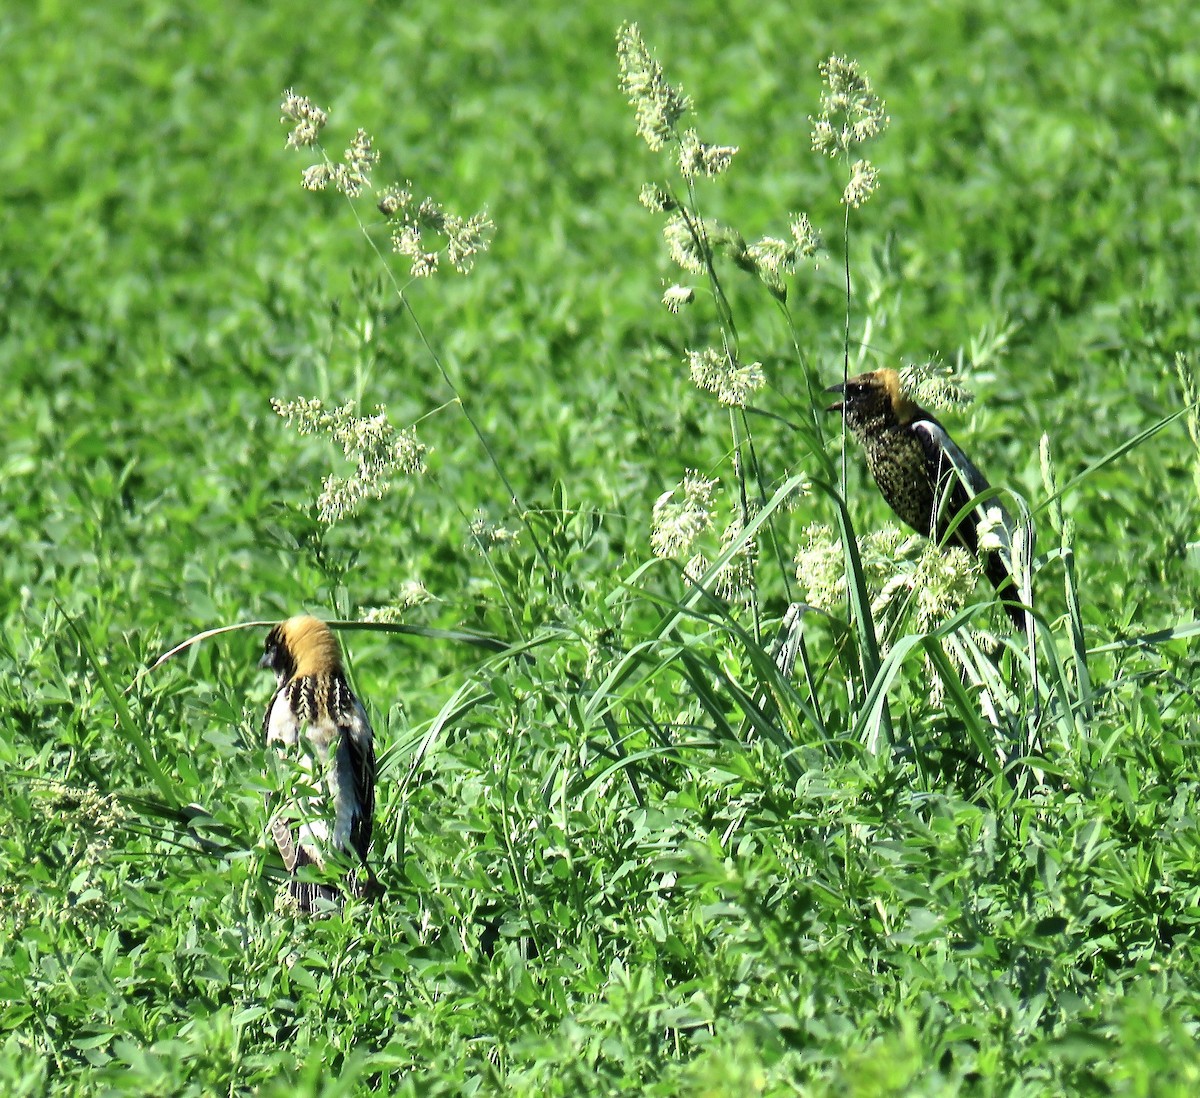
(1007, 530)
(973, 480)
(283, 729)
(282, 725)
(973, 483)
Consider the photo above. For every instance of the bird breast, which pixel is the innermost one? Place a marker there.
(897, 461)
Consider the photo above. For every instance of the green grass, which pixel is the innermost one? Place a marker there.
(626, 854)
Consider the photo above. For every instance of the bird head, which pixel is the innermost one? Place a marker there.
(300, 646)
(873, 398)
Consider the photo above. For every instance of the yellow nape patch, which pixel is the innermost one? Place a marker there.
(311, 644)
(889, 381)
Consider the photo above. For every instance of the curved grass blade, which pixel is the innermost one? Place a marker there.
(492, 644)
(1113, 455)
(1149, 640)
(125, 722)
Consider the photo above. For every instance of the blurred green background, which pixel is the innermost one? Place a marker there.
(164, 277)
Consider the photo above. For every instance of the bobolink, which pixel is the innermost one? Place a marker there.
(313, 697)
(921, 473)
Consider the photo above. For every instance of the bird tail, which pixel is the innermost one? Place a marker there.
(306, 895)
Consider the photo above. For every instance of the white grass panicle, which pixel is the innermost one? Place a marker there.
(379, 451)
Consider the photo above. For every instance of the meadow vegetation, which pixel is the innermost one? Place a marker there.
(698, 776)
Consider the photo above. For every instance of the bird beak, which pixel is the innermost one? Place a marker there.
(265, 662)
(838, 388)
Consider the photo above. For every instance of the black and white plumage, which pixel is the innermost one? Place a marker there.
(925, 477)
(313, 699)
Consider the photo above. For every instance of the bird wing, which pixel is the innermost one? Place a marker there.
(936, 439)
(958, 482)
(969, 482)
(355, 779)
